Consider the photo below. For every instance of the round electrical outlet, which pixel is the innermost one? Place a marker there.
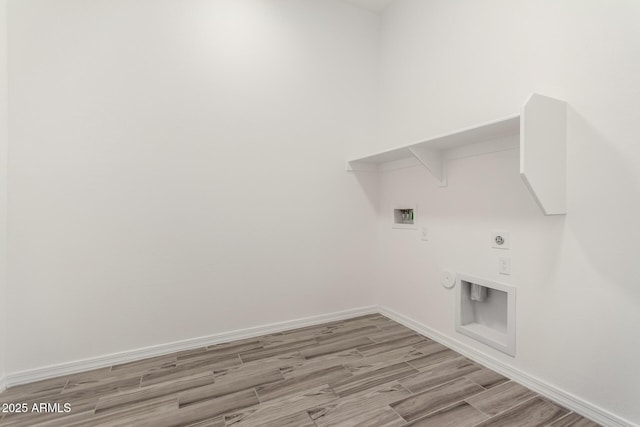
(447, 279)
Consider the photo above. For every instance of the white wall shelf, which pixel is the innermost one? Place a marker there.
(541, 126)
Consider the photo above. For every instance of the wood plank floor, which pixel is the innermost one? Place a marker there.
(367, 371)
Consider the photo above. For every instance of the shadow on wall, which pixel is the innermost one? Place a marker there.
(603, 204)
(369, 182)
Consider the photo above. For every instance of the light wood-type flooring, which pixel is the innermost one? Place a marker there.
(368, 371)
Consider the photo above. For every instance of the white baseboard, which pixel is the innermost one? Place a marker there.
(541, 387)
(68, 368)
(562, 397)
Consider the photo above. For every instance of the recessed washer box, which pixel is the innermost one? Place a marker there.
(490, 319)
(404, 216)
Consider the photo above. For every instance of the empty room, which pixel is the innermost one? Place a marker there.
(315, 213)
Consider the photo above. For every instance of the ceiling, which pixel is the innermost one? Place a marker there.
(373, 5)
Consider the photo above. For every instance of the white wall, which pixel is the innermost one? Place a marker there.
(3, 184)
(177, 169)
(451, 64)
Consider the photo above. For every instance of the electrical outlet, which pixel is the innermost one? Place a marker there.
(500, 239)
(424, 233)
(504, 265)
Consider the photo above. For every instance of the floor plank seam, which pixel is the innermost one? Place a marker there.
(257, 395)
(501, 413)
(475, 382)
(375, 378)
(396, 412)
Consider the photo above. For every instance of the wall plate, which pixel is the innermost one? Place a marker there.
(504, 265)
(424, 234)
(500, 239)
(448, 279)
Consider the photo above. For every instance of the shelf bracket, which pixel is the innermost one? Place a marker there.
(433, 160)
